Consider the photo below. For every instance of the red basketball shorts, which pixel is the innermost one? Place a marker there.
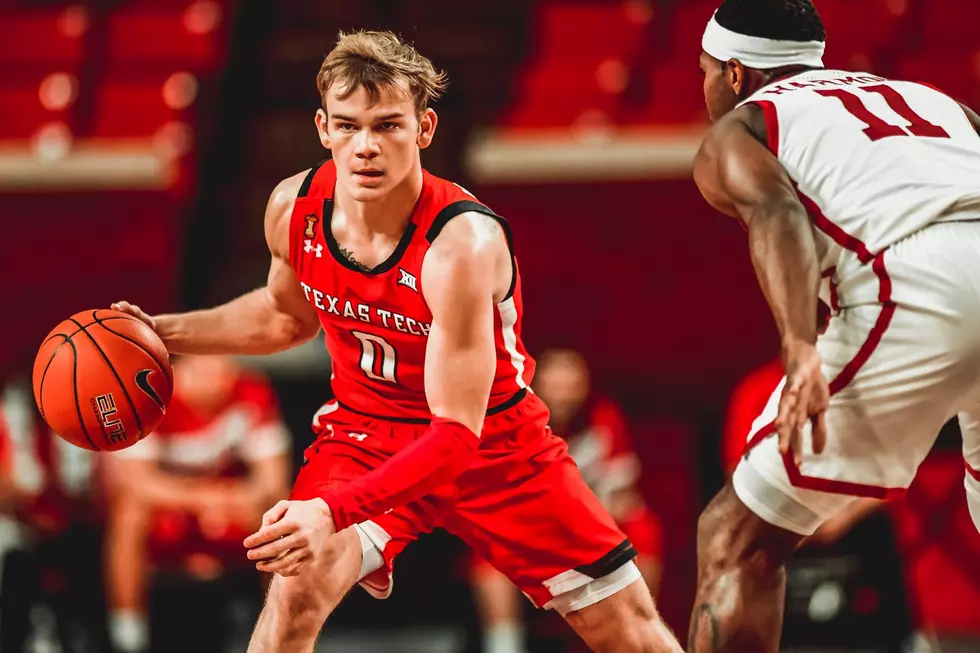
(522, 505)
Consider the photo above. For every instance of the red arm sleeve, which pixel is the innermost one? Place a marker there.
(442, 453)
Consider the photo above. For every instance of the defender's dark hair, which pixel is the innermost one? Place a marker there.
(784, 20)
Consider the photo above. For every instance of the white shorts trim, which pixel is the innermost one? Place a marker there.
(371, 576)
(595, 590)
(773, 505)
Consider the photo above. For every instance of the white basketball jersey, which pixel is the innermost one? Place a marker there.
(874, 160)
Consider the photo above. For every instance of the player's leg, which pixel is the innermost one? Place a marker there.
(888, 404)
(297, 606)
(624, 621)
(524, 507)
(499, 609)
(125, 554)
(741, 579)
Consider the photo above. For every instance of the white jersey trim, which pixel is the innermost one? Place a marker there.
(508, 320)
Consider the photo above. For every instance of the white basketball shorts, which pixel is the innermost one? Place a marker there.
(902, 356)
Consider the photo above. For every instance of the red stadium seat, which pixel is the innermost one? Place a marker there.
(53, 36)
(126, 108)
(186, 34)
(589, 31)
(27, 107)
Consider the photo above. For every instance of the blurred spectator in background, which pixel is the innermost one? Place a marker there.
(181, 502)
(598, 440)
(50, 572)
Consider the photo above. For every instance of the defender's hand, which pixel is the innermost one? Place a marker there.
(805, 397)
(292, 535)
(135, 311)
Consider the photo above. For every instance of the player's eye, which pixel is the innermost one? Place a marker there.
(388, 126)
(346, 127)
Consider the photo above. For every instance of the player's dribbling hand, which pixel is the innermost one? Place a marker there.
(135, 311)
(805, 398)
(293, 533)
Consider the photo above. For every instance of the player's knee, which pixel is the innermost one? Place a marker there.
(302, 605)
(626, 622)
(730, 536)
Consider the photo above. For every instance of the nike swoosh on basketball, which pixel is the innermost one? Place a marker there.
(143, 383)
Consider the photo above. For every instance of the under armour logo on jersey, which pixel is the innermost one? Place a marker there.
(308, 247)
(408, 279)
(360, 437)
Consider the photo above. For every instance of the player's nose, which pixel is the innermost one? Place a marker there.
(366, 145)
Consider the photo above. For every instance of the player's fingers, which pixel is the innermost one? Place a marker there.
(285, 565)
(796, 445)
(124, 307)
(786, 416)
(276, 548)
(819, 434)
(275, 513)
(271, 533)
(783, 431)
(787, 403)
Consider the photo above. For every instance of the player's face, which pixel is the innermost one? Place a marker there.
(562, 382)
(719, 94)
(375, 146)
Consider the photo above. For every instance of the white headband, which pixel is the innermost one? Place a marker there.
(761, 54)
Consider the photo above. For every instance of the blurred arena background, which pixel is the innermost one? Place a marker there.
(139, 141)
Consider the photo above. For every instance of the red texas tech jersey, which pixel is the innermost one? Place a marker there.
(376, 322)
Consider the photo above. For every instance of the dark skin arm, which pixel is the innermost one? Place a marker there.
(740, 177)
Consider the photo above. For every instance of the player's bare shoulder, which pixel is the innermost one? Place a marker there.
(729, 132)
(278, 212)
(469, 235)
(747, 118)
(472, 243)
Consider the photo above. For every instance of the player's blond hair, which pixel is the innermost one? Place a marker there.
(377, 61)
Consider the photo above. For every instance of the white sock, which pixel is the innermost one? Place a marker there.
(504, 638)
(129, 631)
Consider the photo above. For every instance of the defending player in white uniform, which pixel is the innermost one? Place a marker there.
(874, 186)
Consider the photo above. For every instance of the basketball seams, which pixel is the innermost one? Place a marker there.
(83, 326)
(161, 366)
(74, 382)
(122, 387)
(44, 374)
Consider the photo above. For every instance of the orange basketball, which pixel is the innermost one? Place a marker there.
(103, 380)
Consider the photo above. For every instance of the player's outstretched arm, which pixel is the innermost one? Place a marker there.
(266, 320)
(741, 177)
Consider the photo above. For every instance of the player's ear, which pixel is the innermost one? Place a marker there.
(735, 72)
(427, 128)
(320, 120)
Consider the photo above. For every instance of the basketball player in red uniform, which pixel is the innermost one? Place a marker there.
(417, 290)
(870, 184)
